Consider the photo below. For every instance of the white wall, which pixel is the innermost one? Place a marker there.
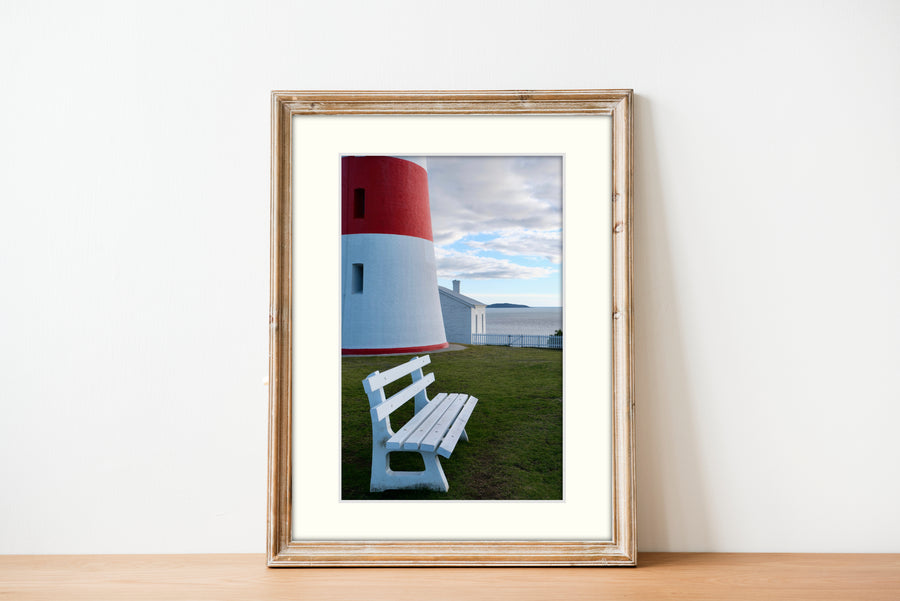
(458, 320)
(134, 183)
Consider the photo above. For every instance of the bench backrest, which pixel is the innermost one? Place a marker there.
(380, 406)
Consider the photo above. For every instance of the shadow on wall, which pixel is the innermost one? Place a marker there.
(671, 491)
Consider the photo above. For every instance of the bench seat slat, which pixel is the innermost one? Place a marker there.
(384, 409)
(453, 434)
(434, 437)
(396, 441)
(378, 380)
(414, 440)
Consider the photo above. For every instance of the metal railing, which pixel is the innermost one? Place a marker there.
(519, 340)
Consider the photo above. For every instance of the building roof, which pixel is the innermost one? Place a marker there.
(462, 298)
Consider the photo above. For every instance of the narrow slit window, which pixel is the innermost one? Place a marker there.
(359, 203)
(356, 285)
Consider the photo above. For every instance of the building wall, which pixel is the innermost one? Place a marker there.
(479, 320)
(457, 320)
(134, 253)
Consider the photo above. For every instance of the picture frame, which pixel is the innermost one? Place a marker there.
(592, 526)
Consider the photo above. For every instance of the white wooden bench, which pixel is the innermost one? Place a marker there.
(436, 427)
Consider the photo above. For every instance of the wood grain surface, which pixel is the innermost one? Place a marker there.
(698, 576)
(281, 547)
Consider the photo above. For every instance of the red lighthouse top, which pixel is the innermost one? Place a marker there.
(384, 195)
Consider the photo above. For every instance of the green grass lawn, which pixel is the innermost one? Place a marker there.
(515, 433)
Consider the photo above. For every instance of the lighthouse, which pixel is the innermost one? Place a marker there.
(389, 291)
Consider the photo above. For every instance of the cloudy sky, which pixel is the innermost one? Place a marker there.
(497, 225)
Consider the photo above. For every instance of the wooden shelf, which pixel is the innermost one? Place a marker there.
(694, 576)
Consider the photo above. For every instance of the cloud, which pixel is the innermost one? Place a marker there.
(475, 194)
(456, 265)
(545, 244)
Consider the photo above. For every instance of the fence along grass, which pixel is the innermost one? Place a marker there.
(519, 340)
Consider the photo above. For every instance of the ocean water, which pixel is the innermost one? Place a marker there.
(529, 320)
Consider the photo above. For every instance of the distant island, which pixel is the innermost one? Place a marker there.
(507, 306)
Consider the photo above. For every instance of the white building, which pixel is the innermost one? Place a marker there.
(463, 316)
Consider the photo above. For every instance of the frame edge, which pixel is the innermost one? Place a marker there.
(281, 550)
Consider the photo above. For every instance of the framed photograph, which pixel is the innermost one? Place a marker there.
(451, 329)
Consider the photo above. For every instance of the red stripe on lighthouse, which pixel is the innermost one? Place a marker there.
(384, 195)
(394, 351)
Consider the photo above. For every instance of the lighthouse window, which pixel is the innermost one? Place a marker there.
(359, 203)
(356, 284)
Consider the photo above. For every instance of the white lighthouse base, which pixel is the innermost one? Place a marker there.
(389, 295)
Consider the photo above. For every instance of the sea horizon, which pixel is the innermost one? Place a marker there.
(523, 320)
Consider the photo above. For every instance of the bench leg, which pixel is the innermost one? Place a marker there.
(384, 478)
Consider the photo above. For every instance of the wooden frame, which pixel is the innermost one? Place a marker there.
(281, 548)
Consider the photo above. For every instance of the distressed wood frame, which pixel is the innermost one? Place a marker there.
(281, 549)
